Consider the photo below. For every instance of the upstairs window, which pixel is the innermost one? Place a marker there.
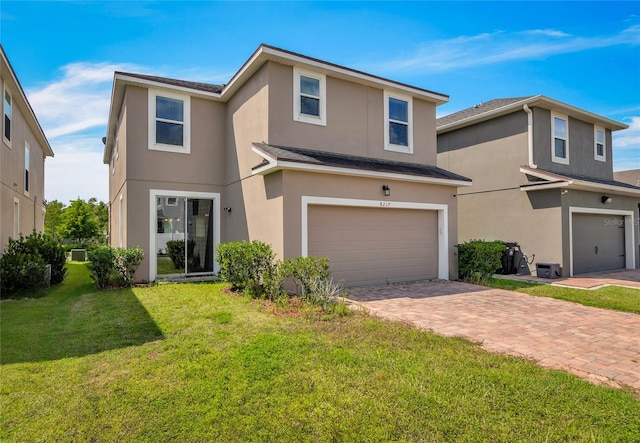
(398, 130)
(560, 139)
(169, 122)
(6, 132)
(600, 147)
(27, 168)
(309, 97)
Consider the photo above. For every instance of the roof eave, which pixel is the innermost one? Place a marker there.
(39, 132)
(533, 101)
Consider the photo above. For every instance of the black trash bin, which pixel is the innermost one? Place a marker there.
(509, 266)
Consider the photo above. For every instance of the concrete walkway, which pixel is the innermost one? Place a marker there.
(599, 345)
(629, 278)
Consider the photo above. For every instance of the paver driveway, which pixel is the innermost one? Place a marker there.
(597, 344)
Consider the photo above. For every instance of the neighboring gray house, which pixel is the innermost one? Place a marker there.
(542, 174)
(23, 150)
(308, 156)
(631, 176)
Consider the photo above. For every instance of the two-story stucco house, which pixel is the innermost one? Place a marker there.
(22, 157)
(542, 176)
(308, 156)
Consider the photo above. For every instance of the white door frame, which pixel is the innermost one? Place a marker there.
(629, 234)
(153, 223)
(443, 221)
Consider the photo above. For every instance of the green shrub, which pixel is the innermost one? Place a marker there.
(306, 271)
(24, 262)
(175, 249)
(126, 261)
(52, 252)
(22, 271)
(479, 259)
(247, 266)
(101, 265)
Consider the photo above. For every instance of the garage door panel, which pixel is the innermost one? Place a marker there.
(372, 245)
(598, 242)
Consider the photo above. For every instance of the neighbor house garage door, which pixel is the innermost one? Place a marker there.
(598, 242)
(375, 245)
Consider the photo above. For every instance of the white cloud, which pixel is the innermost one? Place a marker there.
(628, 138)
(77, 171)
(501, 46)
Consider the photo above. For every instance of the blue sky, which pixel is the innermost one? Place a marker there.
(586, 54)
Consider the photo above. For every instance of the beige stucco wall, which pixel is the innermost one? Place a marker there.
(355, 120)
(297, 184)
(254, 215)
(12, 171)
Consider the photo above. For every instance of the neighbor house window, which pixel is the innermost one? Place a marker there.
(121, 221)
(560, 138)
(169, 122)
(309, 97)
(114, 156)
(27, 168)
(600, 147)
(6, 132)
(398, 117)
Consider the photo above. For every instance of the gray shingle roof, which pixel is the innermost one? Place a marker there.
(206, 87)
(631, 176)
(321, 158)
(478, 110)
(566, 177)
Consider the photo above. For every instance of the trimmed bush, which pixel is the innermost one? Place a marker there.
(22, 269)
(479, 259)
(307, 271)
(126, 261)
(52, 252)
(246, 265)
(101, 266)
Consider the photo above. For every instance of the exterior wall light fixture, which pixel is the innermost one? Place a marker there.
(387, 190)
(606, 199)
(228, 210)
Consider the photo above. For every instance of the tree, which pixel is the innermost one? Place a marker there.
(53, 218)
(80, 221)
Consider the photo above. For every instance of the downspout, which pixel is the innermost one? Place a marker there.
(530, 134)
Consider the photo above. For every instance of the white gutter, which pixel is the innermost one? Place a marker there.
(530, 134)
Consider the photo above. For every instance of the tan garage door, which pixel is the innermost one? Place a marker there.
(375, 245)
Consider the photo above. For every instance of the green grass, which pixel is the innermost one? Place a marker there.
(610, 297)
(191, 363)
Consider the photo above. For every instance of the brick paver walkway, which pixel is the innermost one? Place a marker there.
(600, 345)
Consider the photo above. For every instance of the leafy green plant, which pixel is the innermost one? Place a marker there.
(479, 259)
(325, 293)
(24, 262)
(52, 252)
(101, 265)
(306, 271)
(246, 265)
(126, 261)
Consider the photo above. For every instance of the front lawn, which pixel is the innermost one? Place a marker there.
(193, 363)
(609, 297)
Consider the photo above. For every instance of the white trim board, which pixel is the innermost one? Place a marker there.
(443, 221)
(153, 195)
(629, 237)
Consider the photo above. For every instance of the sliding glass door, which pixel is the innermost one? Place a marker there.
(184, 236)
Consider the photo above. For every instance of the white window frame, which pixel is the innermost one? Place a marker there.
(554, 159)
(27, 169)
(603, 157)
(186, 135)
(6, 92)
(16, 218)
(388, 146)
(298, 116)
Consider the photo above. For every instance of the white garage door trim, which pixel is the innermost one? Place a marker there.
(629, 241)
(443, 222)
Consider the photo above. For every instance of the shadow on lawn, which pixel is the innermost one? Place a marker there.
(73, 326)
